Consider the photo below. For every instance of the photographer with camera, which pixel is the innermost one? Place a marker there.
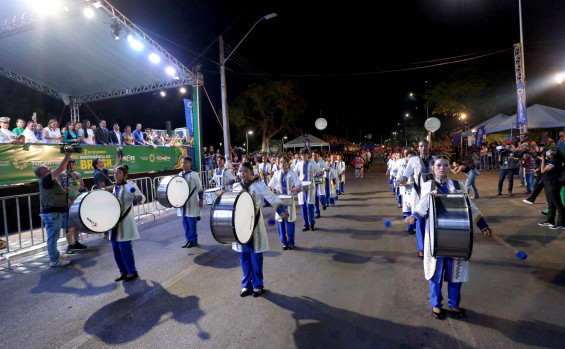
(53, 203)
(73, 181)
(508, 163)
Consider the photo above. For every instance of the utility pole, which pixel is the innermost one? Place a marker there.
(225, 122)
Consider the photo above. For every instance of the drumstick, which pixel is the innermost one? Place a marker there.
(519, 254)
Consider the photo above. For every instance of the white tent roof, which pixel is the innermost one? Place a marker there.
(299, 142)
(539, 116)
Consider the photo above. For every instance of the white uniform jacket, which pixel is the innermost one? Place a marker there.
(264, 171)
(331, 177)
(222, 177)
(322, 187)
(292, 181)
(127, 228)
(461, 267)
(191, 208)
(6, 135)
(312, 168)
(259, 191)
(342, 173)
(412, 173)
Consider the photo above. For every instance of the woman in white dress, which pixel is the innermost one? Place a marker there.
(87, 134)
(51, 133)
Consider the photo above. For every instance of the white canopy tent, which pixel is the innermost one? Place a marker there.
(539, 116)
(299, 142)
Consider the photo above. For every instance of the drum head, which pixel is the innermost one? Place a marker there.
(177, 191)
(99, 211)
(244, 217)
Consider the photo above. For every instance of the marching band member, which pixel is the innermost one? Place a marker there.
(416, 166)
(122, 235)
(453, 270)
(320, 188)
(294, 162)
(398, 170)
(337, 167)
(286, 182)
(407, 207)
(306, 169)
(190, 212)
(331, 181)
(222, 178)
(265, 174)
(251, 254)
(342, 174)
(389, 171)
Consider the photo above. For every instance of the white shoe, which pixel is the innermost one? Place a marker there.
(557, 227)
(545, 224)
(60, 263)
(527, 202)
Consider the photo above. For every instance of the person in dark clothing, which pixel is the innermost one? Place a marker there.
(102, 135)
(551, 167)
(508, 163)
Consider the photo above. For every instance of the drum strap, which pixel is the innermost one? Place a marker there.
(124, 215)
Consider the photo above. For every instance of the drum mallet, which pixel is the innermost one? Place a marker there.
(519, 254)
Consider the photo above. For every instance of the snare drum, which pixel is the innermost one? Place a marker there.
(451, 225)
(318, 180)
(211, 194)
(286, 200)
(232, 217)
(173, 191)
(96, 211)
(306, 185)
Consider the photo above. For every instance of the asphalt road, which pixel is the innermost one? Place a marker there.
(351, 284)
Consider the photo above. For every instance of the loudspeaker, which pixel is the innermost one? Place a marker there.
(168, 127)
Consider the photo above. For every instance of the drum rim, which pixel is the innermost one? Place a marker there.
(168, 179)
(84, 195)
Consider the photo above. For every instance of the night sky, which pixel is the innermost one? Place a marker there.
(355, 61)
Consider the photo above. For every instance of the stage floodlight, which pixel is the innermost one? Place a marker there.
(171, 71)
(163, 93)
(136, 45)
(116, 30)
(88, 12)
(97, 4)
(182, 90)
(45, 7)
(154, 58)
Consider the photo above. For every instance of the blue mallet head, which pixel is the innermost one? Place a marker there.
(132, 190)
(387, 223)
(521, 255)
(390, 181)
(271, 221)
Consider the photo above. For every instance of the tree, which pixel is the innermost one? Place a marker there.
(269, 109)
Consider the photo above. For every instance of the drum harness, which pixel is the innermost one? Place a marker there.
(245, 187)
(189, 196)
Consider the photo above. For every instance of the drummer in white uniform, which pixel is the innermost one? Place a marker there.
(320, 188)
(251, 254)
(331, 184)
(223, 178)
(453, 270)
(341, 172)
(264, 169)
(306, 169)
(286, 182)
(190, 212)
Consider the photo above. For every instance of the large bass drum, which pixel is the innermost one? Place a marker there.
(96, 211)
(173, 191)
(232, 217)
(451, 225)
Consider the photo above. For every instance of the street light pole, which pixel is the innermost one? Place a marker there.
(247, 141)
(225, 118)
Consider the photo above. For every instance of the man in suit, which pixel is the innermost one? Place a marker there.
(102, 135)
(116, 135)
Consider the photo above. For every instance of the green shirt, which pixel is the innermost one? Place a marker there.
(18, 131)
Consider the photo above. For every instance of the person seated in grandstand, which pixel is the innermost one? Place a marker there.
(128, 136)
(138, 135)
(29, 132)
(39, 132)
(102, 134)
(6, 136)
(70, 136)
(21, 124)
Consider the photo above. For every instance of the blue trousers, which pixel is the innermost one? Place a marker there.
(329, 200)
(308, 215)
(420, 231)
(503, 174)
(444, 268)
(318, 199)
(251, 266)
(286, 232)
(470, 183)
(123, 254)
(189, 224)
(341, 187)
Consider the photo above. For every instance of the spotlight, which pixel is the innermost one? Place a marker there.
(116, 30)
(136, 45)
(154, 58)
(171, 71)
(97, 4)
(163, 93)
(130, 37)
(88, 12)
(182, 90)
(559, 78)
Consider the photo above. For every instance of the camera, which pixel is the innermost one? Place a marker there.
(70, 149)
(500, 147)
(119, 152)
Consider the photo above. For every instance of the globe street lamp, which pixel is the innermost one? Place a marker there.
(282, 143)
(247, 140)
(225, 119)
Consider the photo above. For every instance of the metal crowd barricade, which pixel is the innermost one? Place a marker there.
(26, 234)
(145, 184)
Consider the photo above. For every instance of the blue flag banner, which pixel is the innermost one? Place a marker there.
(188, 116)
(521, 117)
(479, 137)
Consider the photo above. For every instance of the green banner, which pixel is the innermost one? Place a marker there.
(17, 164)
